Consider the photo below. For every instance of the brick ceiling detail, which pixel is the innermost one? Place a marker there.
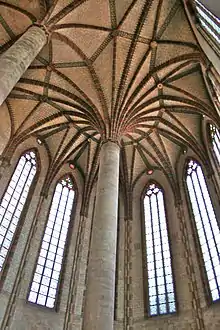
(123, 70)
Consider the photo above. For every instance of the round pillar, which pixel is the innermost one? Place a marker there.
(15, 61)
(100, 290)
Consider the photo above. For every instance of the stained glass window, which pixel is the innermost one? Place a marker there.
(14, 200)
(161, 293)
(45, 283)
(215, 136)
(206, 225)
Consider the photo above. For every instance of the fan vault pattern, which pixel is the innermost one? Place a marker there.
(127, 70)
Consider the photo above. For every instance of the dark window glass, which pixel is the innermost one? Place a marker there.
(206, 225)
(160, 278)
(215, 136)
(13, 201)
(44, 286)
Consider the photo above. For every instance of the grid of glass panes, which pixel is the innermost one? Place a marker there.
(206, 224)
(210, 22)
(160, 279)
(44, 286)
(13, 201)
(215, 135)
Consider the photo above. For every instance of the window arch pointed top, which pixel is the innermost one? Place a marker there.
(206, 225)
(152, 187)
(161, 295)
(14, 199)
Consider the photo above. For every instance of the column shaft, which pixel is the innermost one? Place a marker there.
(15, 61)
(100, 290)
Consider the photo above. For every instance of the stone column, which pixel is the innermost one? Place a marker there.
(100, 290)
(15, 61)
(128, 313)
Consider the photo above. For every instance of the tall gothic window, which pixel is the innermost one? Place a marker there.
(209, 22)
(161, 294)
(215, 136)
(206, 225)
(14, 200)
(45, 283)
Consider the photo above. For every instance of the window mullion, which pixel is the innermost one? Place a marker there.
(160, 281)
(201, 220)
(213, 235)
(217, 151)
(204, 231)
(26, 179)
(59, 234)
(14, 190)
(206, 225)
(12, 211)
(15, 209)
(207, 211)
(161, 245)
(208, 13)
(45, 283)
(46, 256)
(154, 254)
(201, 17)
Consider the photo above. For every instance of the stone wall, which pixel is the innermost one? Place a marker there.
(194, 312)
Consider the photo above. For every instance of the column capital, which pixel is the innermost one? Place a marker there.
(115, 141)
(44, 28)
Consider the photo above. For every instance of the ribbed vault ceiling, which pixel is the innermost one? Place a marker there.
(122, 70)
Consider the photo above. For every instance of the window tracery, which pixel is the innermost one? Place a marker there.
(14, 200)
(206, 225)
(45, 283)
(208, 21)
(161, 295)
(215, 136)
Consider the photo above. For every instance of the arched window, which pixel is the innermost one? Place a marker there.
(215, 136)
(209, 22)
(161, 294)
(14, 200)
(206, 225)
(44, 286)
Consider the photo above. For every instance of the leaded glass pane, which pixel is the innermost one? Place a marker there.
(13, 201)
(215, 135)
(206, 225)
(160, 279)
(209, 21)
(44, 287)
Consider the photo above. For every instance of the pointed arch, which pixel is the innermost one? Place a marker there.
(206, 225)
(45, 283)
(14, 200)
(161, 292)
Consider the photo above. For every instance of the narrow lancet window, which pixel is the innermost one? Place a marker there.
(208, 21)
(45, 283)
(14, 200)
(161, 294)
(215, 136)
(206, 225)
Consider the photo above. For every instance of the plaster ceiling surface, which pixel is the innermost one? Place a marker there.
(127, 70)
